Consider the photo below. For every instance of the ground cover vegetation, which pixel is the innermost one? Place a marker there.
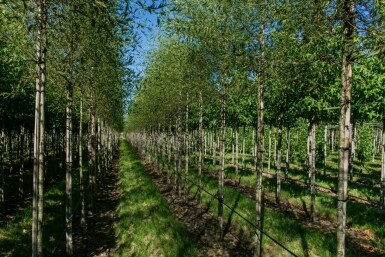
(279, 103)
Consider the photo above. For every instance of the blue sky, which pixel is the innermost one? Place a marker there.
(147, 38)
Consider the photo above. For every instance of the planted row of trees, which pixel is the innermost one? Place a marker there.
(75, 54)
(251, 63)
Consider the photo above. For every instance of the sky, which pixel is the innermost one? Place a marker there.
(147, 38)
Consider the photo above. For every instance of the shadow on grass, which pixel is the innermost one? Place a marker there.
(146, 226)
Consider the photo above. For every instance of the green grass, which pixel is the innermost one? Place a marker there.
(360, 215)
(146, 226)
(283, 227)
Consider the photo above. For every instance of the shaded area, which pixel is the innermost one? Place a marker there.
(99, 239)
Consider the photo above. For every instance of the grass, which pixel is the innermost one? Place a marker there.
(146, 226)
(15, 235)
(283, 227)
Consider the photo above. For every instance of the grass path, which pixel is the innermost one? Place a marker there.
(146, 226)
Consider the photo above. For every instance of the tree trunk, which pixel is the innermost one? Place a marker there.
(222, 167)
(214, 144)
(2, 182)
(311, 164)
(287, 162)
(180, 138)
(325, 147)
(92, 166)
(351, 151)
(260, 149)
(237, 153)
(279, 157)
(38, 167)
(275, 147)
(201, 150)
(346, 78)
(383, 165)
(187, 153)
(81, 175)
(232, 146)
(69, 244)
(243, 146)
(170, 141)
(269, 159)
(21, 169)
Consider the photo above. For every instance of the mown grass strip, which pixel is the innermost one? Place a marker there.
(146, 225)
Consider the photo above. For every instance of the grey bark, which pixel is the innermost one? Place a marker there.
(346, 78)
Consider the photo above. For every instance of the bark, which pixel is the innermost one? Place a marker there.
(275, 147)
(269, 158)
(180, 138)
(38, 167)
(237, 153)
(214, 148)
(169, 170)
(260, 149)
(2, 183)
(222, 167)
(92, 166)
(81, 175)
(325, 147)
(232, 146)
(287, 162)
(186, 183)
(311, 165)
(69, 244)
(201, 150)
(346, 78)
(383, 165)
(278, 163)
(253, 145)
(21, 169)
(243, 145)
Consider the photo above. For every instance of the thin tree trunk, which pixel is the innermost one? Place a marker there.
(232, 146)
(279, 158)
(214, 144)
(201, 150)
(222, 167)
(237, 153)
(325, 147)
(243, 145)
(383, 165)
(260, 149)
(69, 244)
(187, 153)
(21, 169)
(2, 182)
(287, 162)
(170, 141)
(81, 175)
(38, 168)
(275, 147)
(311, 163)
(180, 138)
(269, 159)
(346, 78)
